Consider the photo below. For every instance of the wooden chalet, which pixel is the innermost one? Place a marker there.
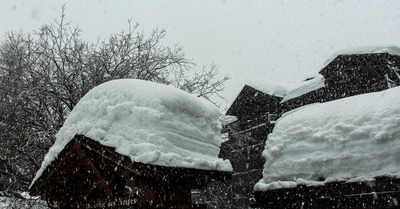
(352, 74)
(255, 111)
(87, 174)
(345, 75)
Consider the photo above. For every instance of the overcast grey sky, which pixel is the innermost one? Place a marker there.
(281, 40)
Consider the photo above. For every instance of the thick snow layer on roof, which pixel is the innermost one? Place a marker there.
(275, 88)
(394, 50)
(305, 87)
(352, 139)
(151, 123)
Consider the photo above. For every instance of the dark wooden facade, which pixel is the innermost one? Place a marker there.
(350, 75)
(256, 112)
(87, 174)
(382, 192)
(251, 104)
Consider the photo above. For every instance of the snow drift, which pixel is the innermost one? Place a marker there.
(351, 139)
(148, 122)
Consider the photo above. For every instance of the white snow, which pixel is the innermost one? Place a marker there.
(394, 50)
(226, 119)
(151, 123)
(274, 88)
(305, 87)
(351, 139)
(29, 203)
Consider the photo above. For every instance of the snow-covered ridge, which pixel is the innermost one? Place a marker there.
(151, 123)
(394, 50)
(285, 90)
(351, 139)
(274, 88)
(304, 87)
(289, 90)
(271, 87)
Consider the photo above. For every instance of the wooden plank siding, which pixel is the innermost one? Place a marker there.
(383, 192)
(87, 174)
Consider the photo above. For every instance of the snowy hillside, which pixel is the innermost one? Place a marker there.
(151, 123)
(351, 139)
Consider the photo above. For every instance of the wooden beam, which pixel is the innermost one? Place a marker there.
(113, 159)
(101, 179)
(55, 169)
(96, 172)
(88, 190)
(140, 169)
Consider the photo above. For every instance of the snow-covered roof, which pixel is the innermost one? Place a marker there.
(148, 122)
(304, 87)
(351, 139)
(394, 50)
(271, 87)
(284, 89)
